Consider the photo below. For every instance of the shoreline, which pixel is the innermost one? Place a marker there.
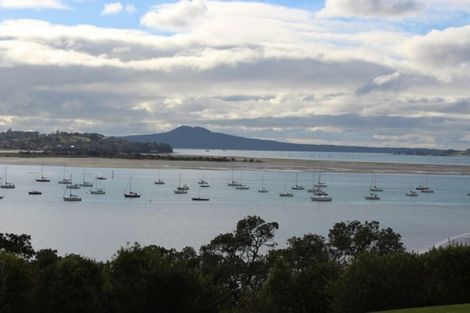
(267, 164)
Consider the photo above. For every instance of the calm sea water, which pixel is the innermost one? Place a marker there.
(100, 224)
(333, 156)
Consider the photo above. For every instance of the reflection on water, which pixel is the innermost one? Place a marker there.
(100, 224)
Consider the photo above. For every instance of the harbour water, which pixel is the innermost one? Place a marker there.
(100, 224)
(333, 156)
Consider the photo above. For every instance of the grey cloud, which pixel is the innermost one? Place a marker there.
(372, 8)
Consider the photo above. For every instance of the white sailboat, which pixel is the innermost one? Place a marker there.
(181, 189)
(372, 196)
(97, 190)
(262, 189)
(411, 193)
(321, 198)
(85, 183)
(233, 183)
(6, 184)
(286, 194)
(159, 181)
(71, 197)
(375, 188)
(65, 181)
(320, 184)
(297, 186)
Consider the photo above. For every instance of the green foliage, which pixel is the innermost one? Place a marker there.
(17, 244)
(16, 284)
(349, 240)
(235, 259)
(150, 280)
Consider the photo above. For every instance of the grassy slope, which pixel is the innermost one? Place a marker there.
(461, 308)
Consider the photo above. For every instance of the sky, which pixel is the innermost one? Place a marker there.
(354, 72)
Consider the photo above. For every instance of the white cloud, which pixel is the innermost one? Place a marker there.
(131, 9)
(175, 16)
(32, 4)
(371, 8)
(112, 8)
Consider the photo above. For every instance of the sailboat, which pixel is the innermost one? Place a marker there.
(159, 181)
(297, 186)
(321, 198)
(242, 186)
(411, 193)
(233, 183)
(425, 188)
(202, 181)
(71, 197)
(320, 184)
(43, 179)
(372, 196)
(6, 184)
(85, 183)
(375, 188)
(199, 197)
(262, 189)
(131, 194)
(286, 194)
(65, 181)
(96, 190)
(34, 192)
(181, 190)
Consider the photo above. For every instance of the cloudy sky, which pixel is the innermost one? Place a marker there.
(356, 72)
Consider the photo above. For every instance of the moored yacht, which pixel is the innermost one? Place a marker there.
(159, 181)
(242, 187)
(375, 188)
(372, 196)
(43, 179)
(181, 189)
(6, 184)
(130, 193)
(297, 186)
(262, 189)
(321, 198)
(85, 183)
(320, 184)
(71, 197)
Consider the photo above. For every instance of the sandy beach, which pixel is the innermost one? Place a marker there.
(265, 164)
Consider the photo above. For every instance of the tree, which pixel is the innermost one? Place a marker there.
(16, 284)
(151, 280)
(235, 259)
(72, 284)
(348, 241)
(382, 282)
(19, 245)
(303, 252)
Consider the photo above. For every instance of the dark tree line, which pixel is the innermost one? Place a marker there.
(77, 144)
(358, 267)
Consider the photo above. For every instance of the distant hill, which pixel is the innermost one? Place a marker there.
(185, 137)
